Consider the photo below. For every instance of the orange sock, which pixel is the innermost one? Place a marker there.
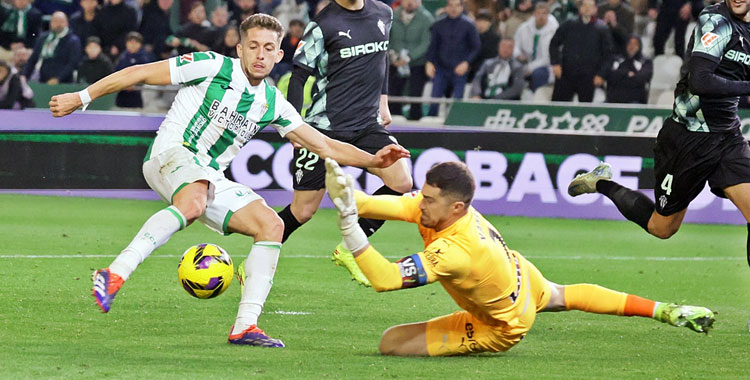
(639, 306)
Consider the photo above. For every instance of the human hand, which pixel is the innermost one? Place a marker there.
(389, 154)
(64, 104)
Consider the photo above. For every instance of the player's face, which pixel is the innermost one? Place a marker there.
(436, 209)
(740, 8)
(258, 52)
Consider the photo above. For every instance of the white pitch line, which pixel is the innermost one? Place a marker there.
(533, 257)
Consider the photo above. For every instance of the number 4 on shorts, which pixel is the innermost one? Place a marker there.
(666, 184)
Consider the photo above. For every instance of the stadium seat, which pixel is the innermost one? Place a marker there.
(543, 94)
(666, 72)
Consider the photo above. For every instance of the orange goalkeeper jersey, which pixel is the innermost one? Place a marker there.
(469, 258)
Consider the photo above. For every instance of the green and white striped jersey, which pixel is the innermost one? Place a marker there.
(217, 111)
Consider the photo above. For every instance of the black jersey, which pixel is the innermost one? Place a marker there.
(347, 51)
(722, 38)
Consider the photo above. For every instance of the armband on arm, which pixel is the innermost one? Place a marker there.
(385, 275)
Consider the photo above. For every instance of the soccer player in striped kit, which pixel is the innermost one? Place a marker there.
(222, 103)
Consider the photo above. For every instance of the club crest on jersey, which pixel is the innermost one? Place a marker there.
(381, 26)
(709, 38)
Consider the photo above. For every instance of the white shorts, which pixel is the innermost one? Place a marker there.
(177, 167)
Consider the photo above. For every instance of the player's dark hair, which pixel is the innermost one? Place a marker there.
(263, 21)
(453, 179)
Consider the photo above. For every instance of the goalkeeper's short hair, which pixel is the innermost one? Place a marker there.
(453, 179)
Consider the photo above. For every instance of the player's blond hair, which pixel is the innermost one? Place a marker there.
(263, 21)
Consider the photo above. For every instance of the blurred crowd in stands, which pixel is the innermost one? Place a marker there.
(616, 51)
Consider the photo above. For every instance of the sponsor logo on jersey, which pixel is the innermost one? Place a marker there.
(346, 34)
(738, 56)
(709, 38)
(368, 48)
(184, 59)
(233, 121)
(381, 26)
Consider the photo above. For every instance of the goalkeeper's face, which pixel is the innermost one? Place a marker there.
(439, 211)
(258, 51)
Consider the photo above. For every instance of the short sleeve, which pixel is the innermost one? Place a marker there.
(311, 47)
(193, 68)
(287, 119)
(712, 34)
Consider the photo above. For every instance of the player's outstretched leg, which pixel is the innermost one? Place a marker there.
(343, 257)
(600, 300)
(106, 286)
(696, 318)
(586, 183)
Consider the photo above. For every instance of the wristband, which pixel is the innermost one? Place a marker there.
(85, 98)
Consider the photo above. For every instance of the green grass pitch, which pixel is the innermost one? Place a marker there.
(51, 329)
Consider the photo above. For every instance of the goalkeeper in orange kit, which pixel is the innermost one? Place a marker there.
(499, 291)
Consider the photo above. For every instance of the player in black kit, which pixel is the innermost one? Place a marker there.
(345, 47)
(701, 141)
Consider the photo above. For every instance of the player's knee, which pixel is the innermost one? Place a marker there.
(192, 208)
(388, 344)
(272, 228)
(305, 213)
(402, 185)
(663, 232)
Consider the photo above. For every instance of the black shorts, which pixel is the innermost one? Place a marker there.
(685, 160)
(309, 171)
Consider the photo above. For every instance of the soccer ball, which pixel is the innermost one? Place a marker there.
(205, 270)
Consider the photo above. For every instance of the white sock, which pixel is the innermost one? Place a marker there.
(155, 232)
(260, 267)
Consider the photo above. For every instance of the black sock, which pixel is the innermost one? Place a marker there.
(290, 222)
(370, 226)
(748, 244)
(633, 205)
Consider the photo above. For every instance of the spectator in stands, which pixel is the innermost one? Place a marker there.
(82, 22)
(629, 75)
(220, 19)
(155, 27)
(521, 13)
(20, 23)
(242, 9)
(620, 19)
(579, 52)
(96, 65)
(56, 53)
(672, 15)
(10, 87)
(112, 23)
(532, 46)
(134, 54)
(488, 40)
(196, 34)
(454, 44)
(500, 77)
(48, 7)
(227, 44)
(409, 41)
(21, 55)
(288, 45)
(290, 10)
(268, 6)
(564, 10)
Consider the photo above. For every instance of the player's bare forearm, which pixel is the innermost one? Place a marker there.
(343, 153)
(156, 73)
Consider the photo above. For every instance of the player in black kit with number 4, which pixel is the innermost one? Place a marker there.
(701, 141)
(345, 47)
